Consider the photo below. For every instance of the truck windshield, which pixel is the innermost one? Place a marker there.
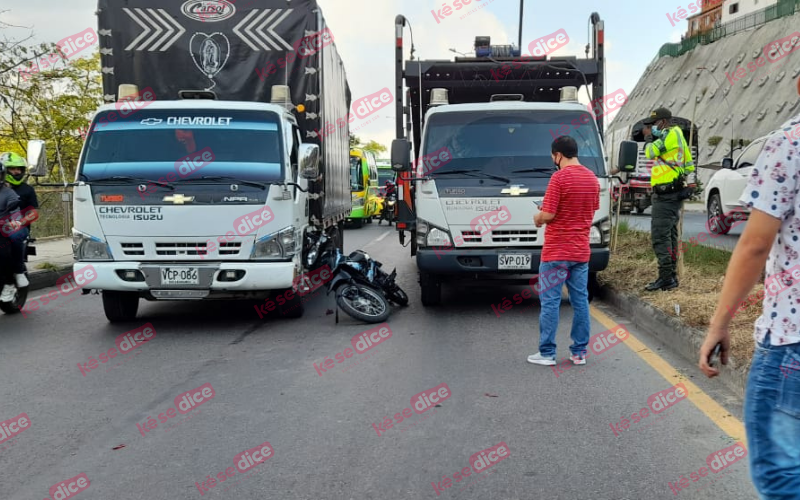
(155, 143)
(502, 142)
(356, 175)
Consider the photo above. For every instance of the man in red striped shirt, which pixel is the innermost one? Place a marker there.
(571, 200)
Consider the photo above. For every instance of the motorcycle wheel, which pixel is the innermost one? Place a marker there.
(398, 296)
(363, 303)
(15, 306)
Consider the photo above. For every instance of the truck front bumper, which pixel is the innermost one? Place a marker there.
(252, 277)
(461, 261)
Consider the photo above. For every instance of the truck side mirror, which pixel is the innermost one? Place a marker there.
(628, 156)
(309, 161)
(37, 158)
(727, 163)
(401, 155)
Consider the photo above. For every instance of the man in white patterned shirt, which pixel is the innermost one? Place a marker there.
(772, 237)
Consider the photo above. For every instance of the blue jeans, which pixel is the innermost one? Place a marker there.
(577, 282)
(772, 420)
(17, 242)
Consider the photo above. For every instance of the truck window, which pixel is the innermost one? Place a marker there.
(501, 142)
(154, 143)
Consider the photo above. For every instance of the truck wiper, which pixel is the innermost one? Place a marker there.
(476, 171)
(125, 178)
(542, 170)
(226, 178)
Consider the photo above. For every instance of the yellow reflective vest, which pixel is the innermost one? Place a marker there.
(672, 157)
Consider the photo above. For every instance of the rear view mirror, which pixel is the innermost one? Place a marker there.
(727, 163)
(628, 156)
(401, 155)
(37, 158)
(309, 161)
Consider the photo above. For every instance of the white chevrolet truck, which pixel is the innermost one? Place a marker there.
(481, 160)
(203, 176)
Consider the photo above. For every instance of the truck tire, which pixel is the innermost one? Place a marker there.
(292, 309)
(120, 307)
(641, 206)
(431, 289)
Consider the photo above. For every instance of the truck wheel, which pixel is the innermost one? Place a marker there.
(292, 309)
(120, 306)
(431, 289)
(641, 207)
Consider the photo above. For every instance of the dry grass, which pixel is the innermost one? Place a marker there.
(633, 265)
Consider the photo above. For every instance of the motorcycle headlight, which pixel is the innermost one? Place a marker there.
(89, 248)
(280, 245)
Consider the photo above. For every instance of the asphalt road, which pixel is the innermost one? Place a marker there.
(694, 223)
(561, 429)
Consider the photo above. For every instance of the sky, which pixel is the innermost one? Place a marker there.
(364, 33)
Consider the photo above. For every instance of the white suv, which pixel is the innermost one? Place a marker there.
(726, 186)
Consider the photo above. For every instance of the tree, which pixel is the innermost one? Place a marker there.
(375, 147)
(354, 140)
(52, 102)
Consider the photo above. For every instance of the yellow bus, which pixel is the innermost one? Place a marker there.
(363, 187)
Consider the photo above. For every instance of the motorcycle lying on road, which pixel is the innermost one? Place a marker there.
(21, 294)
(363, 290)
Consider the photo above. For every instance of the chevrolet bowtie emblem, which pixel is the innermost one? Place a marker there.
(515, 190)
(179, 199)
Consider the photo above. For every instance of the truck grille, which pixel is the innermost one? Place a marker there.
(184, 248)
(504, 237)
(514, 236)
(130, 249)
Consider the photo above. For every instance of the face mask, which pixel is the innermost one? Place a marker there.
(558, 167)
(657, 132)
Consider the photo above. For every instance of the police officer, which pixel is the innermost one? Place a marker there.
(673, 160)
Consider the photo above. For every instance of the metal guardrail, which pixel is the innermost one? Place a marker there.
(781, 9)
(55, 213)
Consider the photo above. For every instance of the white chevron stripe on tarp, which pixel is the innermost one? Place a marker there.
(258, 28)
(181, 30)
(237, 28)
(155, 26)
(271, 29)
(144, 27)
(160, 24)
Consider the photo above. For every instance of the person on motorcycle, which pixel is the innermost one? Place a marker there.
(15, 166)
(9, 202)
(390, 188)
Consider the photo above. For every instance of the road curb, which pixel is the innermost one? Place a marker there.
(684, 340)
(44, 279)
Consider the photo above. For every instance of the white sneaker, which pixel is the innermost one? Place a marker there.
(22, 281)
(8, 294)
(538, 359)
(577, 359)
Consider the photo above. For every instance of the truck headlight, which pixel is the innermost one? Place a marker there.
(280, 245)
(438, 238)
(600, 233)
(89, 248)
(595, 236)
